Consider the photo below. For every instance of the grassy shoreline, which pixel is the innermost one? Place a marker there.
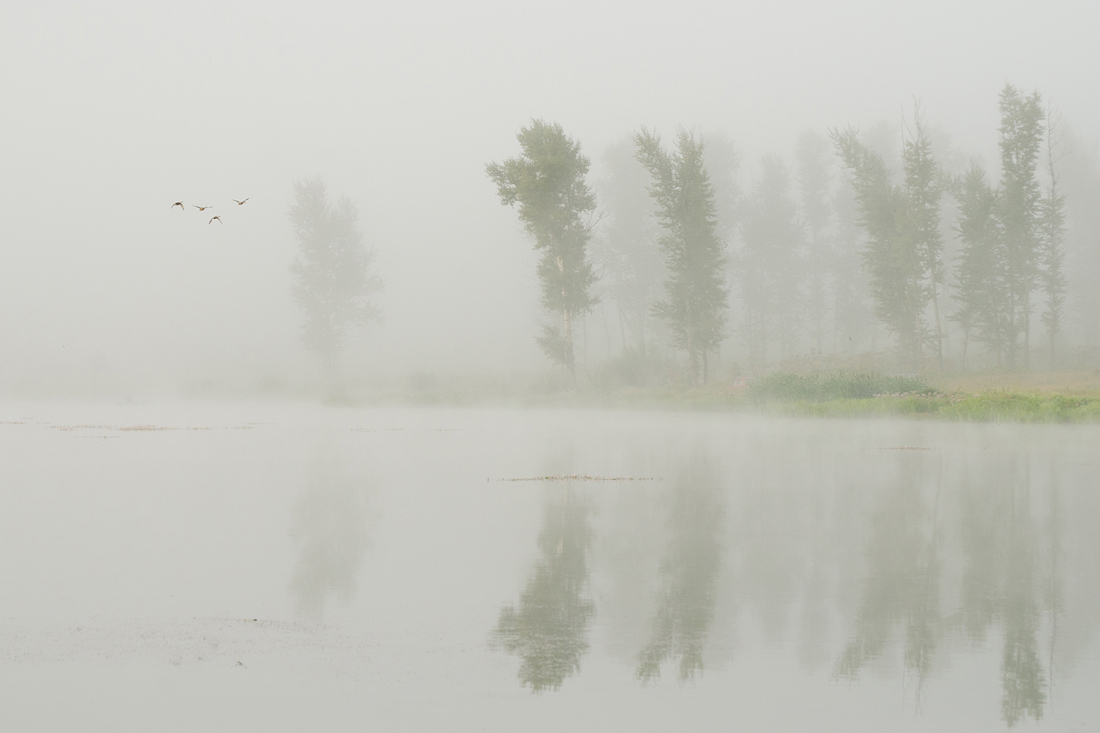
(1038, 397)
(1035, 397)
(859, 395)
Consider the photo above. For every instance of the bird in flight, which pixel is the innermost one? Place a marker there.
(179, 204)
(240, 203)
(216, 217)
(202, 208)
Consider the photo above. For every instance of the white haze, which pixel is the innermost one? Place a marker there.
(112, 113)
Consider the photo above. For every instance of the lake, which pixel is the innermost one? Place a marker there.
(283, 567)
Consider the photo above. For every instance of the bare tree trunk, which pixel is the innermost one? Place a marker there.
(584, 342)
(569, 346)
(1010, 350)
(1027, 331)
(939, 333)
(705, 367)
(622, 328)
(692, 348)
(568, 326)
(606, 329)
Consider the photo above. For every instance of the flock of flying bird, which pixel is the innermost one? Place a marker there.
(204, 208)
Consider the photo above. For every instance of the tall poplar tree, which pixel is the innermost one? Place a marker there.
(695, 291)
(1021, 139)
(984, 303)
(893, 260)
(922, 218)
(904, 252)
(1052, 236)
(547, 181)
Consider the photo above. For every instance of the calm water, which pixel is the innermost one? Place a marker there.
(265, 567)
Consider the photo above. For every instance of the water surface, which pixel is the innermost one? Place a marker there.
(288, 567)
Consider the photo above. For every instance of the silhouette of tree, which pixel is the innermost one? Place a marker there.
(333, 283)
(548, 183)
(696, 290)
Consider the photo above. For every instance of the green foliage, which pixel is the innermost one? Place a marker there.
(892, 259)
(1052, 237)
(903, 255)
(547, 182)
(1021, 136)
(835, 386)
(555, 345)
(696, 290)
(1002, 405)
(333, 284)
(923, 191)
(984, 302)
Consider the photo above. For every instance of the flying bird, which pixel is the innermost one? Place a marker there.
(216, 217)
(240, 203)
(203, 208)
(179, 204)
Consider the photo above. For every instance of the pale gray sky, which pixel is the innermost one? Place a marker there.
(112, 113)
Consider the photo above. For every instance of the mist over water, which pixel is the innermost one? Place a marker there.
(715, 568)
(240, 242)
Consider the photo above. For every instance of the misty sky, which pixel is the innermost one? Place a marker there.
(109, 115)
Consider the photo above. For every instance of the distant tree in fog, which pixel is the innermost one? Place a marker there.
(555, 203)
(627, 248)
(903, 253)
(891, 258)
(722, 163)
(1052, 237)
(1020, 197)
(923, 192)
(770, 263)
(984, 302)
(1079, 179)
(852, 317)
(696, 290)
(812, 162)
(333, 282)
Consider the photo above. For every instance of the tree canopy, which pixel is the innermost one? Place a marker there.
(547, 184)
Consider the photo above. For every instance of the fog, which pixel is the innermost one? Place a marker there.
(112, 114)
(261, 566)
(497, 366)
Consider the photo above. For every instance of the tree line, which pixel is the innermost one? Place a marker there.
(899, 249)
(908, 251)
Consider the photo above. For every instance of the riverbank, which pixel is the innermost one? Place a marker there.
(1061, 397)
(1049, 397)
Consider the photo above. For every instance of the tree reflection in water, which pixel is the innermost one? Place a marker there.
(549, 630)
(330, 527)
(919, 553)
(689, 572)
(999, 582)
(1023, 691)
(903, 579)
